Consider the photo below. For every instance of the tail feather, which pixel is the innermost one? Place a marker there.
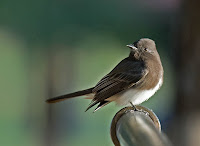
(71, 95)
(101, 104)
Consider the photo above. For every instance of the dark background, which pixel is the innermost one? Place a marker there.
(52, 47)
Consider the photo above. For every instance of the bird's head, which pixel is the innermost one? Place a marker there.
(142, 47)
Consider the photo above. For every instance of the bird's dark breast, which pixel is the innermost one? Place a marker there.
(155, 73)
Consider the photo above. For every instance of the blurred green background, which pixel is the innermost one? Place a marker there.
(52, 47)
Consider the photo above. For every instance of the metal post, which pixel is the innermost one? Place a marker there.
(137, 127)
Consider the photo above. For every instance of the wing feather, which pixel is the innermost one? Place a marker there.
(126, 74)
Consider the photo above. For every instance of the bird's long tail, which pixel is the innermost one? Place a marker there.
(70, 95)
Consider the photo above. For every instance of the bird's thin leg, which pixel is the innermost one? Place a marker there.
(135, 109)
(139, 110)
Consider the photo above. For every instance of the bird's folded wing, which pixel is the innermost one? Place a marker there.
(126, 74)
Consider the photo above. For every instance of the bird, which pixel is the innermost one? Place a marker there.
(132, 81)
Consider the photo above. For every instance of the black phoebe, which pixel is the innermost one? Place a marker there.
(134, 80)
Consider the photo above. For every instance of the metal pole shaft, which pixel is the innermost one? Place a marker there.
(136, 128)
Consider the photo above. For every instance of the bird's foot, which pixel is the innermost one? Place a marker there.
(135, 109)
(139, 110)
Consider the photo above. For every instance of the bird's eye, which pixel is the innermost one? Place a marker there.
(145, 49)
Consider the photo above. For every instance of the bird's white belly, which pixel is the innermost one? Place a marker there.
(135, 96)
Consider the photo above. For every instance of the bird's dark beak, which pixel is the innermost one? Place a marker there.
(132, 47)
